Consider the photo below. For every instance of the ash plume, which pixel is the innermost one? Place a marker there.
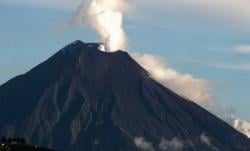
(198, 90)
(106, 17)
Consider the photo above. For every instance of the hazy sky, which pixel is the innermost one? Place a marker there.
(209, 39)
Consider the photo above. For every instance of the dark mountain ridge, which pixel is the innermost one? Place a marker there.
(85, 99)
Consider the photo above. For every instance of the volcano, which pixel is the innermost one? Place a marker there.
(83, 99)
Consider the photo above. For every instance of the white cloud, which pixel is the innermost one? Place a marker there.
(54, 4)
(174, 145)
(231, 12)
(206, 140)
(236, 12)
(142, 144)
(245, 66)
(242, 49)
(198, 90)
(242, 126)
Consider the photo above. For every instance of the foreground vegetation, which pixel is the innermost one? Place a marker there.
(19, 144)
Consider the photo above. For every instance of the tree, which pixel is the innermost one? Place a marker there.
(3, 139)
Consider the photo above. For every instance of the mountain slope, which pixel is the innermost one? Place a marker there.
(85, 99)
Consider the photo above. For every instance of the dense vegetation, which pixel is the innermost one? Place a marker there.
(19, 144)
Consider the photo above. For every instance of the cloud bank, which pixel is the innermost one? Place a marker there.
(174, 144)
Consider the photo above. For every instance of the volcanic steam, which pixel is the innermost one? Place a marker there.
(106, 17)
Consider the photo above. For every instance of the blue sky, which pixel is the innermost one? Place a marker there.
(211, 45)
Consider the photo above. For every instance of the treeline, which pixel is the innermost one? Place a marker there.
(13, 140)
(19, 144)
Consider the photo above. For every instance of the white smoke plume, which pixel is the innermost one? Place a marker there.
(197, 90)
(106, 17)
(142, 144)
(174, 145)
